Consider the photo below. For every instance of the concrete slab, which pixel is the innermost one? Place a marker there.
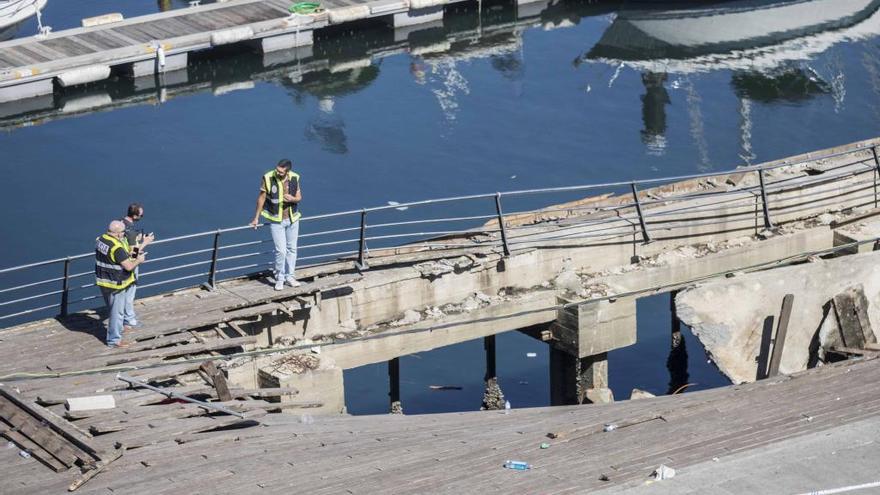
(860, 231)
(734, 318)
(836, 459)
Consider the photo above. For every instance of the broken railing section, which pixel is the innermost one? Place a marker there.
(580, 340)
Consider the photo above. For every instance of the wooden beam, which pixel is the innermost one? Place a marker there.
(218, 380)
(850, 307)
(184, 350)
(781, 330)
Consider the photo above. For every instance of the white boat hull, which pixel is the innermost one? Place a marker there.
(13, 12)
(733, 35)
(732, 23)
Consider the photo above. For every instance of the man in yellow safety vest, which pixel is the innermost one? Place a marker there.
(114, 275)
(278, 202)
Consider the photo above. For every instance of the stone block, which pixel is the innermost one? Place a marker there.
(640, 394)
(600, 396)
(92, 403)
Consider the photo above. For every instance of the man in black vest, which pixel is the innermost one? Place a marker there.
(135, 238)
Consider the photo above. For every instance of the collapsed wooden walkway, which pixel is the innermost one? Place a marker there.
(463, 452)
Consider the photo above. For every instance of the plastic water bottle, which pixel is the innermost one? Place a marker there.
(517, 465)
(507, 407)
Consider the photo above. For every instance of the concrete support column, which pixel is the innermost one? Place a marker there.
(677, 362)
(582, 336)
(394, 386)
(576, 380)
(493, 398)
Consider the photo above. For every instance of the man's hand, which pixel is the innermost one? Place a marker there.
(290, 198)
(142, 256)
(147, 239)
(255, 223)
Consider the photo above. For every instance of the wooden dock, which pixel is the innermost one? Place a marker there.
(158, 43)
(173, 448)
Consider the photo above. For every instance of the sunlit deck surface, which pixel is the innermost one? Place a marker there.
(170, 447)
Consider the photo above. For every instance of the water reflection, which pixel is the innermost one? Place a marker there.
(327, 128)
(766, 44)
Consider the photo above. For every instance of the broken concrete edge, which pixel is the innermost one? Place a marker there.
(740, 338)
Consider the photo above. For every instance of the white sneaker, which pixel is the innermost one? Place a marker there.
(293, 282)
(279, 284)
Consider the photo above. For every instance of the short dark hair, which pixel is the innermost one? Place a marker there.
(135, 209)
(285, 163)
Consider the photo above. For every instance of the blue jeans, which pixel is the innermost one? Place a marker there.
(284, 236)
(115, 301)
(130, 319)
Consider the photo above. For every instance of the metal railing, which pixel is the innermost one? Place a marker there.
(205, 258)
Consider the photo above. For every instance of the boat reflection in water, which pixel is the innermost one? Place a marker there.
(766, 44)
(338, 64)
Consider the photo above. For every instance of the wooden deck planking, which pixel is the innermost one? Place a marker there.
(102, 40)
(124, 38)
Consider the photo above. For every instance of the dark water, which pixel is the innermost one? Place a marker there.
(525, 380)
(580, 93)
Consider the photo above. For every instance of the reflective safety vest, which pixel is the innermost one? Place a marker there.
(275, 204)
(109, 252)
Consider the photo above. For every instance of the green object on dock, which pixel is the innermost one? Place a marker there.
(545, 445)
(304, 8)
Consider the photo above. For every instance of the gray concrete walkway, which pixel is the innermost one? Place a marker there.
(846, 457)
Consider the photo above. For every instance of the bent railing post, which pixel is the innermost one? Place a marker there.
(362, 243)
(504, 245)
(65, 288)
(876, 172)
(768, 224)
(212, 273)
(645, 236)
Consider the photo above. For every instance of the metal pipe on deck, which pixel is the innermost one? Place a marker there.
(174, 395)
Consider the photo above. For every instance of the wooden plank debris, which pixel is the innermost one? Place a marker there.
(183, 350)
(217, 379)
(32, 448)
(850, 307)
(98, 467)
(781, 330)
